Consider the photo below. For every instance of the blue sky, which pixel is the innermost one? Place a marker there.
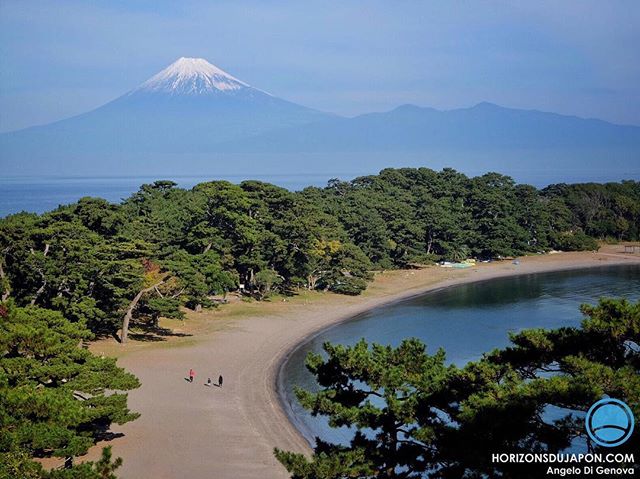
(61, 58)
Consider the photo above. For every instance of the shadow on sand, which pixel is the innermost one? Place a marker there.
(154, 333)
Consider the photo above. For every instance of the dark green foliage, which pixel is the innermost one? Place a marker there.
(493, 203)
(349, 286)
(18, 464)
(104, 468)
(405, 216)
(413, 415)
(382, 392)
(91, 259)
(610, 210)
(159, 306)
(56, 398)
(266, 281)
(575, 241)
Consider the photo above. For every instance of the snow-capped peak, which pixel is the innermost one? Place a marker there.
(192, 76)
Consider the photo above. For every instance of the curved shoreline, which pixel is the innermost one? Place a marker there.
(188, 430)
(284, 360)
(280, 379)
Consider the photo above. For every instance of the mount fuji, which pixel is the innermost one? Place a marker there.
(193, 118)
(180, 113)
(191, 76)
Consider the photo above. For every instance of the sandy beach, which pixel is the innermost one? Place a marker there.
(189, 430)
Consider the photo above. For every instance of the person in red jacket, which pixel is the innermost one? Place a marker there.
(192, 374)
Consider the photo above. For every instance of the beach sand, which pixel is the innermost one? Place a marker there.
(189, 430)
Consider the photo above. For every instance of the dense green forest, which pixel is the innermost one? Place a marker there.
(110, 265)
(93, 268)
(56, 398)
(413, 415)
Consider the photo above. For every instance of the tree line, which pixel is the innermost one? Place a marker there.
(164, 248)
(94, 268)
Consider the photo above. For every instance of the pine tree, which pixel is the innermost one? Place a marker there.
(57, 399)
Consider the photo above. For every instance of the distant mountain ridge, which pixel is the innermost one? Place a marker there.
(195, 118)
(413, 128)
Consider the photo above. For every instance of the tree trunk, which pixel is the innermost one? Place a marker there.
(39, 292)
(6, 292)
(312, 280)
(44, 281)
(132, 306)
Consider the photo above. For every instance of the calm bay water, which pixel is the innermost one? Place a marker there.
(40, 194)
(465, 320)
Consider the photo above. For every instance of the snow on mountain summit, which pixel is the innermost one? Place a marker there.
(191, 76)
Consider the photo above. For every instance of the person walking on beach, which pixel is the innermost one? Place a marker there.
(209, 383)
(192, 374)
(220, 380)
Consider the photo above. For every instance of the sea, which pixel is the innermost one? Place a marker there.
(40, 194)
(466, 321)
